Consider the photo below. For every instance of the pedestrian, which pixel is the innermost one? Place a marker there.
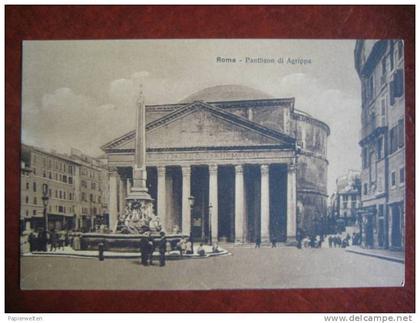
(201, 252)
(184, 246)
(66, 238)
(76, 242)
(53, 240)
(101, 249)
(215, 248)
(181, 246)
(359, 239)
(61, 240)
(151, 249)
(305, 242)
(189, 247)
(338, 241)
(330, 239)
(31, 240)
(144, 247)
(312, 241)
(162, 249)
(299, 237)
(169, 245)
(37, 241)
(43, 240)
(321, 239)
(258, 242)
(273, 243)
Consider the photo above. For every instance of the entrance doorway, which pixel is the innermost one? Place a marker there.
(396, 227)
(369, 230)
(381, 232)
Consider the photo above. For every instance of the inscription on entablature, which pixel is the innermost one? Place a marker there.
(214, 156)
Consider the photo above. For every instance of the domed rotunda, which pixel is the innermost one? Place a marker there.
(228, 163)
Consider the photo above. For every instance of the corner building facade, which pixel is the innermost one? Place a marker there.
(380, 65)
(228, 163)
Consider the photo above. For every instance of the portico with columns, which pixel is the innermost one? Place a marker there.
(212, 174)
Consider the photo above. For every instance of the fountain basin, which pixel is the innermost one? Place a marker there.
(119, 241)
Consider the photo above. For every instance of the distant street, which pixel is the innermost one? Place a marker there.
(284, 267)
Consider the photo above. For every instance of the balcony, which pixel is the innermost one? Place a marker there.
(383, 80)
(375, 123)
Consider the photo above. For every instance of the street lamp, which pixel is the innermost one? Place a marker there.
(191, 199)
(91, 214)
(45, 199)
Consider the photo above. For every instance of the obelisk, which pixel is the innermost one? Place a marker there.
(139, 189)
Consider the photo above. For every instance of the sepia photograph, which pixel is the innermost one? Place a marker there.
(209, 164)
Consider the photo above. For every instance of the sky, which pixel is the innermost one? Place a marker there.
(82, 94)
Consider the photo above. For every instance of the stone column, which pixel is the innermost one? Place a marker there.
(239, 204)
(186, 193)
(265, 203)
(122, 190)
(213, 201)
(27, 225)
(161, 197)
(113, 200)
(291, 203)
(128, 186)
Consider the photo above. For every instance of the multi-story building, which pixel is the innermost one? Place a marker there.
(77, 196)
(57, 171)
(345, 201)
(380, 65)
(91, 191)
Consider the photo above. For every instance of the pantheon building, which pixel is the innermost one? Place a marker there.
(228, 162)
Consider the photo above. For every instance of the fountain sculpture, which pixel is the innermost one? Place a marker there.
(138, 216)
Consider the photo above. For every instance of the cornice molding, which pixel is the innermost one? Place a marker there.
(314, 155)
(254, 103)
(309, 191)
(311, 120)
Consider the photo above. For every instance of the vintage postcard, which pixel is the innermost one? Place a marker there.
(212, 164)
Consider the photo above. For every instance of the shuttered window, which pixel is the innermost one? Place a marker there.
(401, 133)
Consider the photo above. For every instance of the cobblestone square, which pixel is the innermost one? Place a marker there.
(245, 268)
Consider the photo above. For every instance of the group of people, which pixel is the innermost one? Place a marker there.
(312, 241)
(40, 240)
(148, 246)
(185, 247)
(258, 243)
(303, 241)
(337, 241)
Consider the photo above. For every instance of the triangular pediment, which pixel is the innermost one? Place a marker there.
(202, 125)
